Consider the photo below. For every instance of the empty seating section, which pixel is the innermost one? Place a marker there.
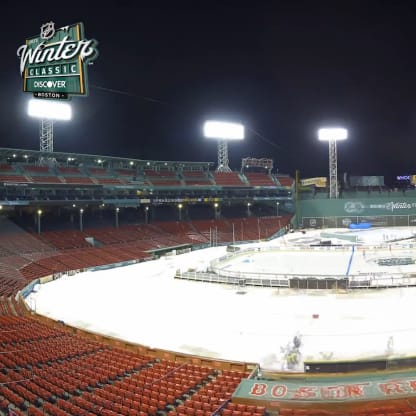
(40, 174)
(73, 175)
(136, 241)
(10, 173)
(162, 177)
(184, 232)
(284, 180)
(11, 281)
(62, 251)
(259, 179)
(5, 167)
(19, 243)
(228, 179)
(123, 176)
(65, 239)
(109, 181)
(125, 172)
(46, 369)
(103, 176)
(14, 178)
(82, 180)
(68, 170)
(196, 178)
(46, 179)
(99, 172)
(36, 169)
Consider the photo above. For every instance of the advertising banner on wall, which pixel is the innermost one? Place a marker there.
(366, 180)
(319, 182)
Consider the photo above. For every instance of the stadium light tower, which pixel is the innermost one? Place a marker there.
(48, 111)
(332, 135)
(223, 132)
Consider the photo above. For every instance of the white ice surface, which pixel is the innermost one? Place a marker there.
(143, 303)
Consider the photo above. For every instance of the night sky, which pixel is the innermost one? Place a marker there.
(282, 68)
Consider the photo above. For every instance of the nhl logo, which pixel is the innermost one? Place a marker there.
(47, 30)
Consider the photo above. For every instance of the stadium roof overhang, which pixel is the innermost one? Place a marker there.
(8, 155)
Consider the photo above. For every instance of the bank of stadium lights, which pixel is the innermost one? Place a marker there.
(49, 109)
(332, 135)
(223, 132)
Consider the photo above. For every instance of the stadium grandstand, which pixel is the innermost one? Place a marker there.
(79, 212)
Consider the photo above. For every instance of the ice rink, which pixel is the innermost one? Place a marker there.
(145, 304)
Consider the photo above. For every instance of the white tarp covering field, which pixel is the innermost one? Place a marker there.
(143, 303)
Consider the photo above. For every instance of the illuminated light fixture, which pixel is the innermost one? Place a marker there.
(332, 135)
(51, 110)
(223, 131)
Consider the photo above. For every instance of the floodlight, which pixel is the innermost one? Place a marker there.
(223, 130)
(332, 133)
(51, 110)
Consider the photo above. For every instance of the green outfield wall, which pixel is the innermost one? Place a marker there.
(394, 210)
